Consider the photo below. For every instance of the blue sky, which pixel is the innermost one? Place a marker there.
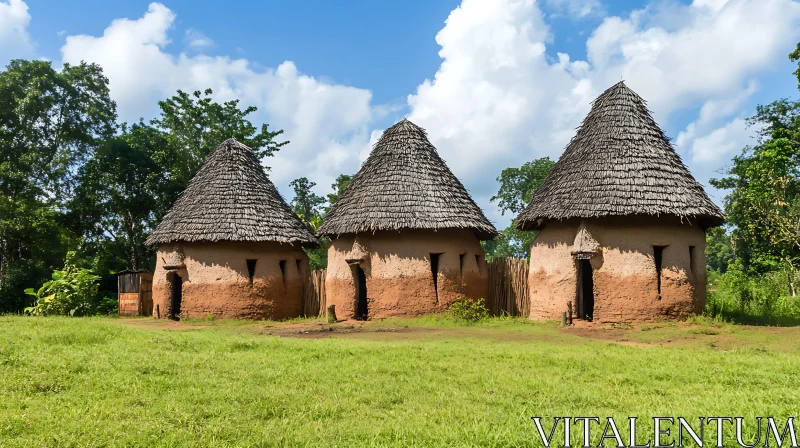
(495, 82)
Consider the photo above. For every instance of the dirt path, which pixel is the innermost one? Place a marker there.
(671, 334)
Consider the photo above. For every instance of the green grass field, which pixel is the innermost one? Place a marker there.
(422, 382)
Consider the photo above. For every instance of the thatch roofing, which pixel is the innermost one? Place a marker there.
(404, 184)
(619, 163)
(231, 199)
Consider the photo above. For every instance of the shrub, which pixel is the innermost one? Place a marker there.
(71, 291)
(747, 296)
(469, 310)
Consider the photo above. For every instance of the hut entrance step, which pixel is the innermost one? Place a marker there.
(585, 299)
(175, 296)
(362, 310)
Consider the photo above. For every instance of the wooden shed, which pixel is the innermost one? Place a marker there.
(135, 293)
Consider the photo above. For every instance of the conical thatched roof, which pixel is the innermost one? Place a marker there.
(231, 199)
(404, 184)
(619, 163)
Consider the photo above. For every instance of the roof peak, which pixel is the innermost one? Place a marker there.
(619, 163)
(404, 184)
(231, 199)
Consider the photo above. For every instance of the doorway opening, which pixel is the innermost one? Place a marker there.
(585, 300)
(362, 310)
(175, 296)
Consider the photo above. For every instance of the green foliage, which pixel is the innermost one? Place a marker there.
(195, 124)
(121, 190)
(50, 122)
(338, 187)
(747, 297)
(469, 310)
(517, 186)
(719, 252)
(511, 242)
(306, 203)
(763, 203)
(71, 291)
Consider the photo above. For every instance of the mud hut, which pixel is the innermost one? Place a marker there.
(621, 222)
(230, 246)
(405, 233)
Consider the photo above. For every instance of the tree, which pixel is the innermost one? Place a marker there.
(763, 205)
(719, 251)
(306, 200)
(338, 186)
(195, 124)
(517, 186)
(306, 203)
(50, 122)
(120, 190)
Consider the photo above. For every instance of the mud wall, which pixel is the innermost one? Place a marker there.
(216, 280)
(624, 271)
(397, 266)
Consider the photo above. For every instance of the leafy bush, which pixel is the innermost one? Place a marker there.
(469, 310)
(751, 297)
(71, 291)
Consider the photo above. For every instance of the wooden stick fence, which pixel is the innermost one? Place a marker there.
(508, 287)
(314, 294)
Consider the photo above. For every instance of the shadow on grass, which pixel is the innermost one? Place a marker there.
(743, 318)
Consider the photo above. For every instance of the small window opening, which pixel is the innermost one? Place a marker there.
(299, 266)
(461, 262)
(691, 260)
(251, 270)
(282, 264)
(658, 254)
(435, 273)
(478, 261)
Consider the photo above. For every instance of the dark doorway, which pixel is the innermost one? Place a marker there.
(362, 311)
(175, 296)
(585, 300)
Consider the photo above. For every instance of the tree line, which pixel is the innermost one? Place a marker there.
(80, 191)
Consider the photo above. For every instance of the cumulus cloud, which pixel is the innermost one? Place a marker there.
(695, 140)
(499, 100)
(197, 39)
(327, 124)
(15, 42)
(499, 97)
(577, 8)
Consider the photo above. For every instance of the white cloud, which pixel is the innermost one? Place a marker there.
(720, 144)
(577, 8)
(15, 42)
(695, 141)
(197, 39)
(498, 100)
(326, 123)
